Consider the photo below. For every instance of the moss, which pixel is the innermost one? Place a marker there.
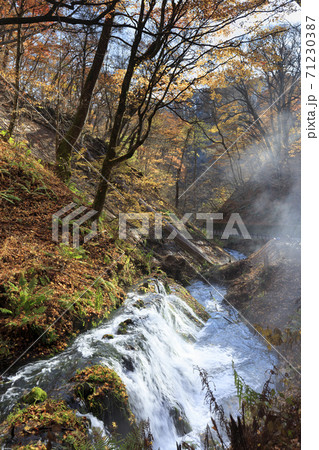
(198, 309)
(122, 329)
(180, 420)
(146, 287)
(167, 288)
(108, 336)
(104, 394)
(36, 395)
(272, 336)
(95, 383)
(4, 348)
(139, 304)
(33, 426)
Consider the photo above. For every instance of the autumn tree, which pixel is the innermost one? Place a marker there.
(255, 105)
(64, 149)
(168, 48)
(168, 56)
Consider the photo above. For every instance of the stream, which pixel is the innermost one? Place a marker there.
(157, 361)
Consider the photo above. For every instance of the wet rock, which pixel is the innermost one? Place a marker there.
(43, 425)
(128, 363)
(130, 347)
(36, 395)
(198, 309)
(108, 336)
(180, 420)
(122, 329)
(146, 286)
(104, 394)
(178, 268)
(139, 304)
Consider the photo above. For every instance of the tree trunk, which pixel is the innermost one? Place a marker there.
(102, 187)
(110, 157)
(64, 150)
(179, 170)
(15, 108)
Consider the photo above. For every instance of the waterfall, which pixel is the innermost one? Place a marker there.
(157, 361)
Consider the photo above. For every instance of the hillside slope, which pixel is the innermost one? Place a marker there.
(49, 291)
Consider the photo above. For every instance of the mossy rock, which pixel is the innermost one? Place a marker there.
(146, 287)
(36, 395)
(40, 425)
(180, 420)
(122, 329)
(198, 309)
(272, 336)
(105, 396)
(108, 336)
(167, 288)
(139, 304)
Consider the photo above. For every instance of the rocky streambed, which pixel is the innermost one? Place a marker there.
(154, 345)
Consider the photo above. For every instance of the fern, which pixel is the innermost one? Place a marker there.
(244, 392)
(25, 298)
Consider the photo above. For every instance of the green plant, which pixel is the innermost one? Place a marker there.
(98, 299)
(127, 271)
(267, 420)
(74, 253)
(140, 438)
(67, 303)
(111, 287)
(29, 168)
(80, 197)
(48, 336)
(244, 392)
(4, 347)
(36, 395)
(9, 196)
(149, 259)
(44, 190)
(25, 297)
(25, 302)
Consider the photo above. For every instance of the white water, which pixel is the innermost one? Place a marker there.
(237, 255)
(163, 348)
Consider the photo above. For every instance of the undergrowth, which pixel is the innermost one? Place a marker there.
(269, 420)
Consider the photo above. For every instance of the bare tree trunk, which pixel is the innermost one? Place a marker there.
(5, 56)
(102, 187)
(15, 107)
(118, 119)
(179, 170)
(64, 150)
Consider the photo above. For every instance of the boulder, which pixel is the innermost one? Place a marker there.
(36, 395)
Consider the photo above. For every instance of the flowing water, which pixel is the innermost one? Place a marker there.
(237, 255)
(157, 361)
